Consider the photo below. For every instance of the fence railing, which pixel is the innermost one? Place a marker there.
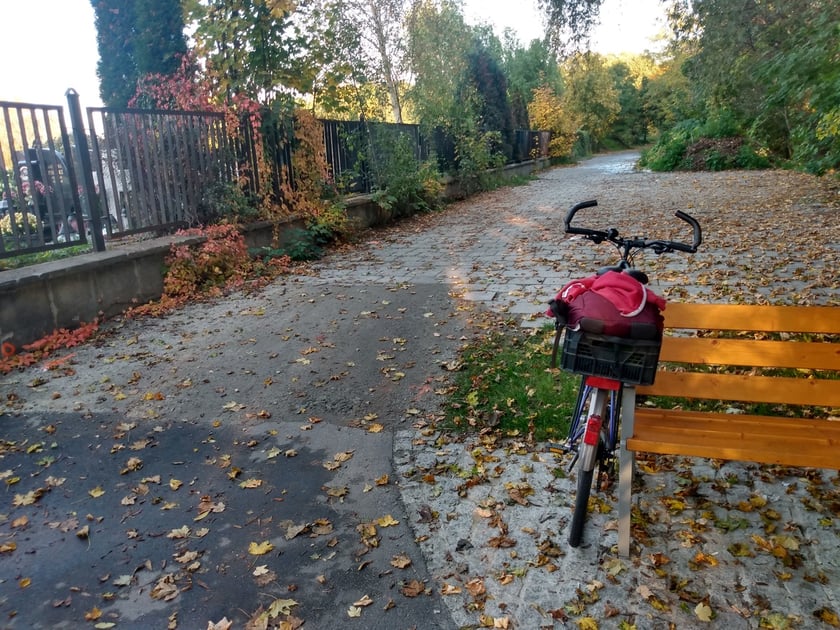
(39, 194)
(152, 170)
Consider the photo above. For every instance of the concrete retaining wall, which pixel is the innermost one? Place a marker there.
(38, 299)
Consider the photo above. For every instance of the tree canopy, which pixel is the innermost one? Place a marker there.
(768, 73)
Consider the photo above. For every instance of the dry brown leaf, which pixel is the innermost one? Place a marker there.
(413, 588)
(401, 561)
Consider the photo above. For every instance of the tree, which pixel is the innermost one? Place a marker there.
(773, 66)
(379, 24)
(570, 22)
(438, 41)
(116, 68)
(528, 69)
(547, 111)
(591, 95)
(135, 38)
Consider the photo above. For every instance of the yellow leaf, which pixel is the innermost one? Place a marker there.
(259, 549)
(387, 521)
(25, 582)
(587, 623)
(251, 483)
(174, 484)
(703, 612)
(8, 547)
(96, 492)
(354, 611)
(93, 614)
(22, 521)
(382, 481)
(281, 607)
(176, 534)
(375, 428)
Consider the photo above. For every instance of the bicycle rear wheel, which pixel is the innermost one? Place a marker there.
(591, 448)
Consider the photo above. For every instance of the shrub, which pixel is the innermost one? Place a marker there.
(6, 223)
(219, 261)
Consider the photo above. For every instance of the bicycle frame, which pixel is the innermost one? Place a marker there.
(599, 407)
(594, 431)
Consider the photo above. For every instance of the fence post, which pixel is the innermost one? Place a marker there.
(80, 135)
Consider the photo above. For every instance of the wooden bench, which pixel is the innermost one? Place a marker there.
(698, 336)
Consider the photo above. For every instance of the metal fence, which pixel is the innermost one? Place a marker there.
(151, 170)
(155, 168)
(39, 194)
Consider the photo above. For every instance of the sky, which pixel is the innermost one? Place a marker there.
(50, 45)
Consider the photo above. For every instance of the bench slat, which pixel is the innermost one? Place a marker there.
(787, 441)
(748, 388)
(819, 319)
(790, 354)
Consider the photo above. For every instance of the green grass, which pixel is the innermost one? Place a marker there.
(24, 260)
(506, 384)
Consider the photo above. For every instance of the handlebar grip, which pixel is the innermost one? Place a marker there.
(695, 226)
(567, 222)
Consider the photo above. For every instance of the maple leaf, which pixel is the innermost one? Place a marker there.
(401, 561)
(251, 483)
(182, 532)
(93, 614)
(413, 588)
(387, 521)
(165, 588)
(703, 612)
(260, 549)
(281, 607)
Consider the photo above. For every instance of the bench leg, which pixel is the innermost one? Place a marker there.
(626, 462)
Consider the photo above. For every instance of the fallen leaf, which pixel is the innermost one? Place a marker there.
(259, 549)
(703, 612)
(364, 601)
(387, 521)
(93, 614)
(251, 483)
(165, 588)
(96, 492)
(354, 611)
(413, 588)
(281, 607)
(401, 561)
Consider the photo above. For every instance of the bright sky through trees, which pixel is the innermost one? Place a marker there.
(51, 44)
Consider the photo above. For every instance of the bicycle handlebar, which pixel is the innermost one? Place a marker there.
(612, 235)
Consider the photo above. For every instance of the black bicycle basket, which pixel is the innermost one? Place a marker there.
(631, 361)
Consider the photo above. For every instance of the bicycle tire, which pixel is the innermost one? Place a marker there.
(589, 455)
(584, 487)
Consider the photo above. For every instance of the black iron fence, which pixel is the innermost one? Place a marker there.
(154, 168)
(39, 193)
(151, 171)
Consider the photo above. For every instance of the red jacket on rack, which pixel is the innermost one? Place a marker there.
(611, 304)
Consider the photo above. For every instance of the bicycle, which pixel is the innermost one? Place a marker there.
(611, 349)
